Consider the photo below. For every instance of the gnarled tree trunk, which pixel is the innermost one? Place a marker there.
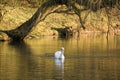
(45, 9)
(51, 6)
(22, 31)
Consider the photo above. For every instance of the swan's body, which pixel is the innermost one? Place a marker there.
(59, 54)
(59, 61)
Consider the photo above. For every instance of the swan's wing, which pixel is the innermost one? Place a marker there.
(57, 54)
(63, 56)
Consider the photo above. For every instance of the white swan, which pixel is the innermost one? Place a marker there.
(59, 54)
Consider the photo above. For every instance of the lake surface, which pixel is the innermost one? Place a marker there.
(88, 58)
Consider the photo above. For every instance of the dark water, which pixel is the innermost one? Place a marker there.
(88, 58)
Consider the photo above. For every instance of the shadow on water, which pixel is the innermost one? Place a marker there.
(26, 66)
(21, 47)
(61, 31)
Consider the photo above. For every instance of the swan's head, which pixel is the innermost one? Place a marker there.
(62, 49)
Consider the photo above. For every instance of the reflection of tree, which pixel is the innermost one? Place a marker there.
(21, 47)
(28, 66)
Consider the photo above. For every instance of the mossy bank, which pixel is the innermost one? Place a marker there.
(95, 21)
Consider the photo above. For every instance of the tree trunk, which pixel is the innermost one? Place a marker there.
(22, 31)
(51, 6)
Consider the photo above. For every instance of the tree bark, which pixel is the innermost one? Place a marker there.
(51, 6)
(23, 30)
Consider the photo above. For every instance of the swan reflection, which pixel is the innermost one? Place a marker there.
(59, 69)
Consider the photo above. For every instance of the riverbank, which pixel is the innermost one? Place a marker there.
(15, 16)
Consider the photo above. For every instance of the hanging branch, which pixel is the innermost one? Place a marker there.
(51, 6)
(22, 31)
(78, 13)
(86, 16)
